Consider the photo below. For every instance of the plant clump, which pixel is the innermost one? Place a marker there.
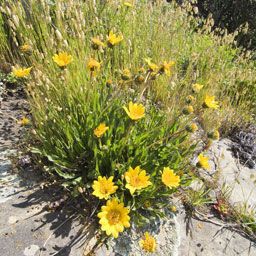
(114, 108)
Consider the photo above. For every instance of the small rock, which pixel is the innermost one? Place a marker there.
(31, 250)
(12, 220)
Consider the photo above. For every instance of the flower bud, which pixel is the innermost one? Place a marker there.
(188, 110)
(173, 208)
(109, 82)
(58, 35)
(140, 79)
(126, 74)
(16, 20)
(190, 99)
(192, 128)
(215, 135)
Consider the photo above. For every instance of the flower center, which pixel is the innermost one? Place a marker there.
(114, 217)
(103, 189)
(148, 245)
(168, 179)
(135, 182)
(137, 112)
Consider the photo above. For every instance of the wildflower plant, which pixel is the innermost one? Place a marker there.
(107, 99)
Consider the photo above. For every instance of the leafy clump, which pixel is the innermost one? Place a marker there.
(116, 95)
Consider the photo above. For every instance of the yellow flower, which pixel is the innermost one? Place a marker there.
(104, 187)
(136, 179)
(100, 130)
(188, 110)
(26, 48)
(152, 66)
(21, 72)
(148, 244)
(203, 162)
(209, 102)
(197, 87)
(192, 128)
(93, 65)
(166, 67)
(136, 111)
(169, 178)
(114, 39)
(114, 218)
(97, 43)
(62, 59)
(23, 121)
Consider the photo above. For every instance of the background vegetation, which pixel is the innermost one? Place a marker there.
(233, 15)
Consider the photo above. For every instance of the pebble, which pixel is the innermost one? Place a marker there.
(12, 220)
(31, 250)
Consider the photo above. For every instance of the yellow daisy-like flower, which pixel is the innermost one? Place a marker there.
(93, 65)
(209, 102)
(135, 111)
(97, 43)
(62, 59)
(104, 187)
(114, 39)
(100, 130)
(197, 87)
(136, 179)
(152, 66)
(23, 121)
(114, 218)
(21, 72)
(166, 67)
(169, 178)
(148, 244)
(203, 162)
